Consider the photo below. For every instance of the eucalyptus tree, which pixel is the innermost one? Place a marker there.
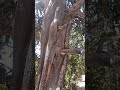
(55, 36)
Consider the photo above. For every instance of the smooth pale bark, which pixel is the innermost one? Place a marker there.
(23, 29)
(48, 18)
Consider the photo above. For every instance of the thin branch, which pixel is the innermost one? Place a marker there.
(91, 59)
(72, 51)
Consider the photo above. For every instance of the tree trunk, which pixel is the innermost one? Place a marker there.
(29, 71)
(23, 29)
(54, 68)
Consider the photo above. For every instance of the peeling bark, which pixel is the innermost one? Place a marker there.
(53, 61)
(72, 51)
(53, 40)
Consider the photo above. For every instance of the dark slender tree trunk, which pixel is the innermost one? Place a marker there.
(23, 29)
(29, 71)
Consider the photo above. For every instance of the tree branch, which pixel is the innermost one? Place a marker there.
(72, 51)
(91, 58)
(97, 59)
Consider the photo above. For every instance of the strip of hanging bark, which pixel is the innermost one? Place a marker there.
(64, 64)
(72, 51)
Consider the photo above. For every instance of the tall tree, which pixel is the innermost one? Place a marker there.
(55, 43)
(23, 32)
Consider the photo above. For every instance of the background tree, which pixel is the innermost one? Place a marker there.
(7, 9)
(102, 43)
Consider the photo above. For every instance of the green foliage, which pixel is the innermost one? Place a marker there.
(1, 46)
(3, 87)
(4, 78)
(2, 74)
(100, 27)
(100, 78)
(8, 8)
(75, 69)
(76, 64)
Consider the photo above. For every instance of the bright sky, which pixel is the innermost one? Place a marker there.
(37, 50)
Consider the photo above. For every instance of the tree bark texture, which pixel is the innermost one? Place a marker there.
(54, 38)
(54, 66)
(23, 29)
(29, 71)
